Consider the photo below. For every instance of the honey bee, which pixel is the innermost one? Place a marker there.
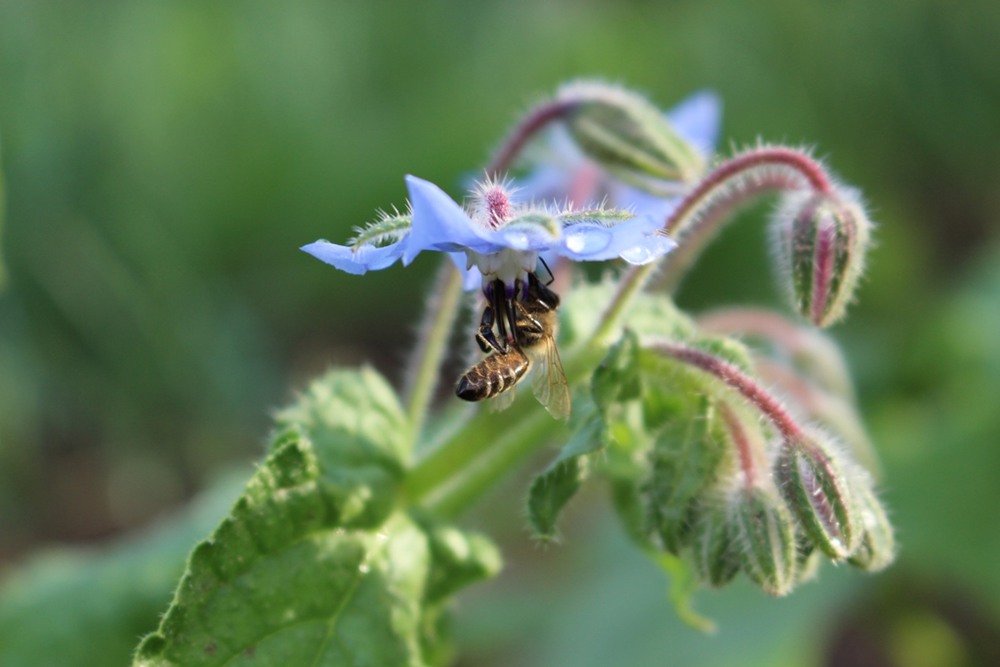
(531, 344)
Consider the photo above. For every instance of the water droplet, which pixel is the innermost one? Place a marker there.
(588, 240)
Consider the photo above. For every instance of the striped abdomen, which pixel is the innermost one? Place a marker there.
(493, 375)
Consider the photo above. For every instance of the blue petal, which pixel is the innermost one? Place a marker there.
(365, 258)
(440, 224)
(697, 119)
(472, 279)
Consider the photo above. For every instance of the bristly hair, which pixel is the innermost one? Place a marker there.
(387, 228)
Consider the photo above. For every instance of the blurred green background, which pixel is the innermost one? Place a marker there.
(163, 161)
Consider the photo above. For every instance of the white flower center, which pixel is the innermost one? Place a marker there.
(508, 265)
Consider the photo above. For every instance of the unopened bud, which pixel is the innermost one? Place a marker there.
(627, 135)
(764, 534)
(877, 548)
(820, 242)
(814, 485)
(715, 557)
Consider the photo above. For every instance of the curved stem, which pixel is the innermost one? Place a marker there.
(797, 165)
(817, 354)
(728, 373)
(536, 119)
(744, 449)
(422, 376)
(735, 183)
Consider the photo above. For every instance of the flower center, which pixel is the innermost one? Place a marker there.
(497, 206)
(508, 266)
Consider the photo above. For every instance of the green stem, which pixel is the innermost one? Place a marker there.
(632, 283)
(471, 460)
(432, 344)
(496, 458)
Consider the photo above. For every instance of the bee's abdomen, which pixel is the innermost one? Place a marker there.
(492, 376)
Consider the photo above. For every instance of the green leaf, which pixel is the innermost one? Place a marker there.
(311, 566)
(360, 444)
(649, 315)
(332, 598)
(559, 482)
(459, 558)
(616, 379)
(685, 461)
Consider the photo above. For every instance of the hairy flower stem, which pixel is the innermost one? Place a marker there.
(537, 119)
(744, 448)
(733, 184)
(630, 285)
(819, 356)
(432, 339)
(728, 373)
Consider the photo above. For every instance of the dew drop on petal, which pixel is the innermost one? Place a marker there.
(516, 240)
(639, 254)
(588, 240)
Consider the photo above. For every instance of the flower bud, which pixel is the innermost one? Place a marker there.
(764, 534)
(715, 557)
(817, 491)
(877, 549)
(624, 133)
(820, 240)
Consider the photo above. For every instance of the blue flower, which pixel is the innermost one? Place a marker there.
(498, 238)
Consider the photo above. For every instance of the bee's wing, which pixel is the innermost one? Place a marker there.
(550, 385)
(503, 400)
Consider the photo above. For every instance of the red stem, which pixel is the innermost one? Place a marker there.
(525, 130)
(742, 442)
(738, 380)
(797, 161)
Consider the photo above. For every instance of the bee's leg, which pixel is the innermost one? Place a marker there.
(511, 306)
(487, 340)
(528, 323)
(485, 337)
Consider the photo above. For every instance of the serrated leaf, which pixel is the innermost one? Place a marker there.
(559, 482)
(458, 558)
(333, 597)
(292, 575)
(360, 440)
